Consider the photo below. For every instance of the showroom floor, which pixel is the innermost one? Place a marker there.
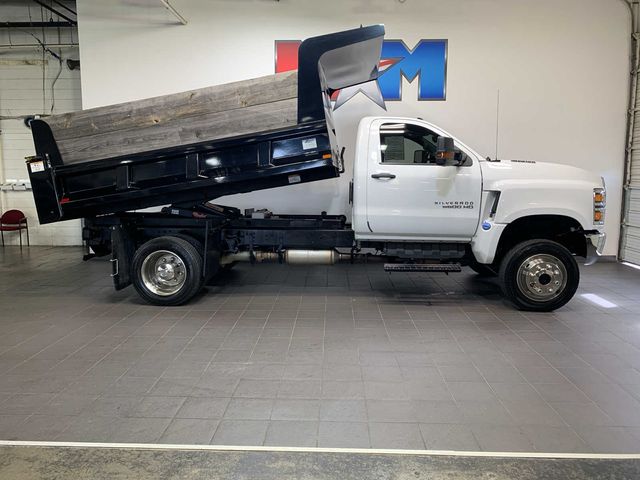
(344, 356)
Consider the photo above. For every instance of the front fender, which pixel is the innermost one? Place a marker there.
(573, 199)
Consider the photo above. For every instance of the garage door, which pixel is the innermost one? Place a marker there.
(630, 245)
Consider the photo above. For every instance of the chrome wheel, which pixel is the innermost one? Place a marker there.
(163, 272)
(542, 277)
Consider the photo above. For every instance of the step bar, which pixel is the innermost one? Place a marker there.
(422, 267)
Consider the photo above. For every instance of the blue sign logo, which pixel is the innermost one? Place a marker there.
(426, 63)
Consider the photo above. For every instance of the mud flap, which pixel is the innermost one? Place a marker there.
(122, 249)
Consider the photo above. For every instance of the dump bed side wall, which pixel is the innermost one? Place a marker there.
(207, 114)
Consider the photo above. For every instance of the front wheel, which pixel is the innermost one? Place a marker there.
(539, 275)
(167, 271)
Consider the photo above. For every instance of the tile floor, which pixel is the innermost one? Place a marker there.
(344, 356)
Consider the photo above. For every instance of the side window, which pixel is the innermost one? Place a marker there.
(407, 144)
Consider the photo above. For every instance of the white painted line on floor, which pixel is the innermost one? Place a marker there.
(370, 451)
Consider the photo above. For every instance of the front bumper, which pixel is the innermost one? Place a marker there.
(595, 246)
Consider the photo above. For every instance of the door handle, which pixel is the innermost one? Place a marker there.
(383, 175)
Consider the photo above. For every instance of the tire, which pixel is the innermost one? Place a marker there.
(482, 269)
(551, 271)
(182, 277)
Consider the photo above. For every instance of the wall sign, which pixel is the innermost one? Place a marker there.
(425, 63)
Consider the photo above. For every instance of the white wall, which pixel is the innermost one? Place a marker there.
(25, 89)
(561, 67)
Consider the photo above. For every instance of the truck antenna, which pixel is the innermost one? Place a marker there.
(497, 122)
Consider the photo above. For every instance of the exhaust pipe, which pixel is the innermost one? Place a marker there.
(291, 257)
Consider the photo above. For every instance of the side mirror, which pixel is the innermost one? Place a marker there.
(446, 151)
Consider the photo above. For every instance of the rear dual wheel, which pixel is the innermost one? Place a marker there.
(167, 271)
(539, 275)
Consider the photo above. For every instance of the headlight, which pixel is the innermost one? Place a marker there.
(599, 205)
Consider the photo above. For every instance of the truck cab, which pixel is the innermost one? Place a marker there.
(406, 189)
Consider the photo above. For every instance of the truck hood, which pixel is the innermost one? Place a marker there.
(496, 175)
(537, 188)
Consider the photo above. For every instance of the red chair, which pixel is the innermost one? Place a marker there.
(11, 221)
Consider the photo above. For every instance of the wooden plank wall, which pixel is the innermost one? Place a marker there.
(212, 113)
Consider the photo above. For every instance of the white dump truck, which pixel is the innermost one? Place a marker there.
(422, 200)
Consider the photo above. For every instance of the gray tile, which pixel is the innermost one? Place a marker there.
(240, 432)
(292, 434)
(214, 386)
(257, 389)
(303, 372)
(385, 391)
(343, 410)
(300, 389)
(25, 403)
(189, 431)
(390, 411)
(443, 436)
(343, 435)
(43, 427)
(174, 386)
(419, 390)
(488, 413)
(249, 409)
(139, 430)
(604, 439)
(113, 406)
(203, 407)
(342, 372)
(502, 438)
(516, 392)
(471, 391)
(582, 414)
(396, 435)
(426, 411)
(542, 375)
(561, 392)
(558, 439)
(343, 389)
(90, 428)
(296, 409)
(533, 413)
(459, 373)
(132, 385)
(67, 405)
(160, 407)
(381, 373)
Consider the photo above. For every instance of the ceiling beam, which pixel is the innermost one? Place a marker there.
(36, 24)
(53, 10)
(175, 13)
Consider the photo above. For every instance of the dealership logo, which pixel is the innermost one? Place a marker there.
(425, 63)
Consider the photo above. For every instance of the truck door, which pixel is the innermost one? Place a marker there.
(409, 195)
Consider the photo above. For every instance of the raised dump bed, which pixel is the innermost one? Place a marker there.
(195, 146)
(203, 115)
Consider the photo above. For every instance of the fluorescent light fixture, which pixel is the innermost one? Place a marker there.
(598, 300)
(632, 265)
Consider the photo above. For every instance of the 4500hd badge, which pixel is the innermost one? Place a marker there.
(454, 204)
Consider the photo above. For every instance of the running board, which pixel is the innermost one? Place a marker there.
(422, 267)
